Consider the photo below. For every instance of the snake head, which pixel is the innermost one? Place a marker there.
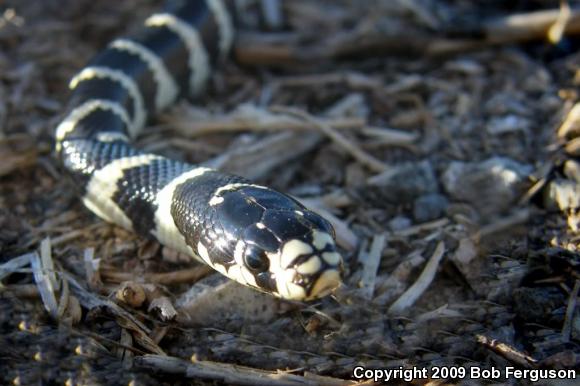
(290, 252)
(277, 245)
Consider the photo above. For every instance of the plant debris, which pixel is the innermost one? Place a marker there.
(440, 138)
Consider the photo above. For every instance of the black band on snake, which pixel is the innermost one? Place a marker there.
(250, 233)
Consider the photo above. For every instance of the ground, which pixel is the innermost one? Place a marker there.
(439, 138)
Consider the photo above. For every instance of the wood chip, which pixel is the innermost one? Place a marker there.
(44, 284)
(15, 264)
(370, 265)
(416, 290)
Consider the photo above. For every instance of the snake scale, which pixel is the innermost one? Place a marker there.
(250, 233)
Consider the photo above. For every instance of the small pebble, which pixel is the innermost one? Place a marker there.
(562, 194)
(572, 170)
(429, 207)
(399, 223)
(405, 182)
(490, 186)
(507, 124)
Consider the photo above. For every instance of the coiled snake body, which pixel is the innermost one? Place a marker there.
(250, 233)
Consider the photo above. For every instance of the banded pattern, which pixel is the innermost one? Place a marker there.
(250, 233)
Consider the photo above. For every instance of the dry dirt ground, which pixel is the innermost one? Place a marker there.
(438, 136)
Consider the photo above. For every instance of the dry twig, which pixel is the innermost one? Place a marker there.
(231, 374)
(348, 145)
(510, 353)
(261, 49)
(188, 275)
(570, 309)
(251, 118)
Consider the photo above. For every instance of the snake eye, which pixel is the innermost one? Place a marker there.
(256, 259)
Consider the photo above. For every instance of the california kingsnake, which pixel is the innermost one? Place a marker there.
(250, 233)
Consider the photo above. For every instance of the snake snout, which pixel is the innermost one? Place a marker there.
(325, 284)
(311, 267)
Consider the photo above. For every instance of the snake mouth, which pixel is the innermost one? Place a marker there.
(292, 285)
(326, 283)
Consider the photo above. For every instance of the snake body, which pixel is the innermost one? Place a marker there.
(250, 233)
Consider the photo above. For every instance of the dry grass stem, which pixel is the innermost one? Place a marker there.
(348, 145)
(371, 262)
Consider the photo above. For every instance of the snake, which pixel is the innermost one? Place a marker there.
(250, 233)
